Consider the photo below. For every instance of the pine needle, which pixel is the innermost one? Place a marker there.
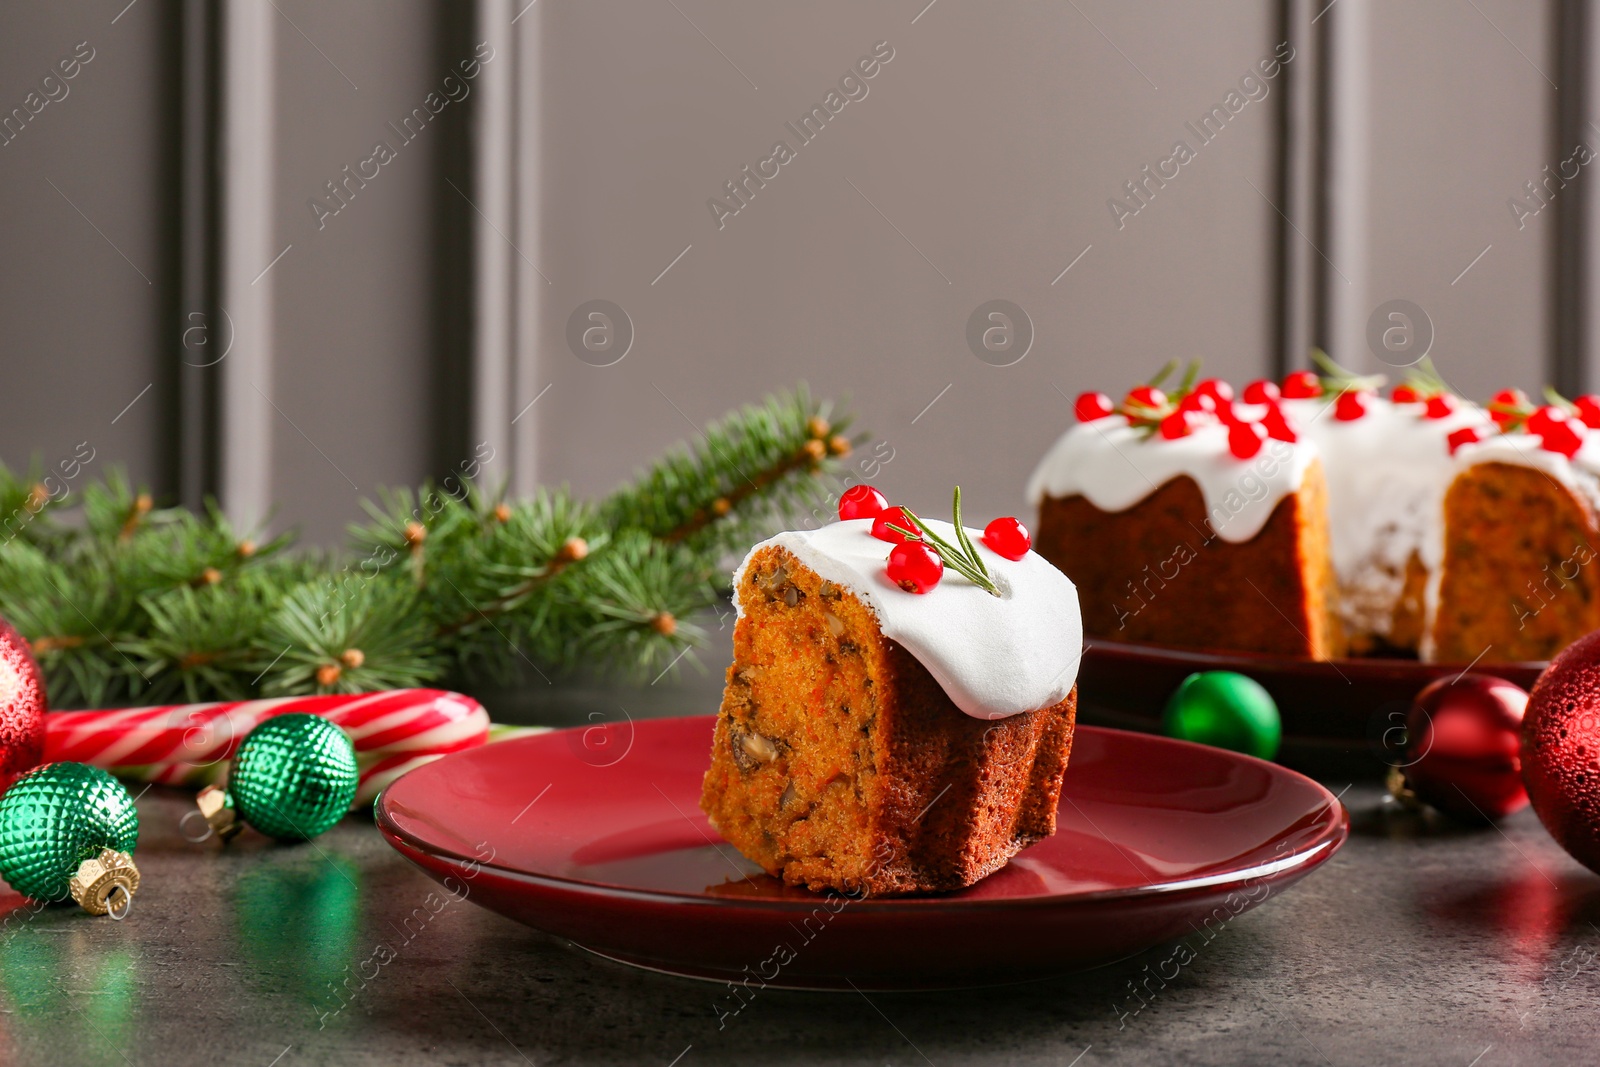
(128, 602)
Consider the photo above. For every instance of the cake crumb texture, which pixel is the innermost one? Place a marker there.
(1156, 573)
(838, 761)
(1519, 580)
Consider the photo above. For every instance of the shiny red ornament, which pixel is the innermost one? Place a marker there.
(1302, 385)
(914, 567)
(1561, 749)
(896, 516)
(22, 707)
(861, 502)
(1263, 391)
(1008, 537)
(1463, 747)
(1091, 406)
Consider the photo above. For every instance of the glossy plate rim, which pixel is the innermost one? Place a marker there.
(1331, 825)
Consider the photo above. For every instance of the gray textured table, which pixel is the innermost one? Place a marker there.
(1413, 945)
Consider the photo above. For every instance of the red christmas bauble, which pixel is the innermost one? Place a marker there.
(1561, 749)
(1464, 744)
(22, 707)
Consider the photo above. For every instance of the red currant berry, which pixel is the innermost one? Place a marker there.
(1502, 419)
(1277, 426)
(1350, 406)
(1226, 414)
(1467, 435)
(914, 567)
(1404, 394)
(1302, 385)
(1008, 537)
(1145, 396)
(1091, 406)
(861, 502)
(1176, 425)
(1511, 398)
(1245, 438)
(1544, 418)
(1216, 389)
(1440, 405)
(1263, 391)
(1589, 410)
(897, 516)
(1198, 402)
(1565, 437)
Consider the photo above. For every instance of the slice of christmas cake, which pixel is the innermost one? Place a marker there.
(899, 710)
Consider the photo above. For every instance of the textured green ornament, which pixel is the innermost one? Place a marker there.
(1226, 710)
(55, 817)
(293, 777)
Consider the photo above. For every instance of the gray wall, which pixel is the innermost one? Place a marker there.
(87, 263)
(1453, 115)
(991, 143)
(978, 166)
(357, 338)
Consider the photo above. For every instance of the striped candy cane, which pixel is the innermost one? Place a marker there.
(189, 744)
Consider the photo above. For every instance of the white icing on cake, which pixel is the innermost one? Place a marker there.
(1387, 473)
(1114, 466)
(994, 656)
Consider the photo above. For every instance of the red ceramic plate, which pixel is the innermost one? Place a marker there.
(596, 836)
(1348, 705)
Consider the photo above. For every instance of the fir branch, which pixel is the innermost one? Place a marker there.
(714, 494)
(320, 639)
(130, 602)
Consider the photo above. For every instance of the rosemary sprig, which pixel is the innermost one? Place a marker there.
(1425, 378)
(961, 557)
(1162, 374)
(1147, 419)
(1336, 379)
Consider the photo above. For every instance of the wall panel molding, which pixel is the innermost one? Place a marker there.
(248, 256)
(1299, 195)
(1575, 361)
(493, 161)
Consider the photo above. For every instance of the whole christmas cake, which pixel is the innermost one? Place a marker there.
(1315, 518)
(888, 727)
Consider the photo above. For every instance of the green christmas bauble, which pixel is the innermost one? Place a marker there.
(1226, 710)
(293, 777)
(55, 817)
